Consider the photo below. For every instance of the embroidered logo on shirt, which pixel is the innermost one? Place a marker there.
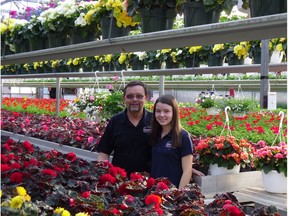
(147, 129)
(169, 145)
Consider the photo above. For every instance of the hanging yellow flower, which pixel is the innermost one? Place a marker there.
(122, 58)
(194, 49)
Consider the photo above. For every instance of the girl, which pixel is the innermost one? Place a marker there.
(172, 146)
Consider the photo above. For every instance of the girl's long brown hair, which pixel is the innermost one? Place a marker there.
(176, 126)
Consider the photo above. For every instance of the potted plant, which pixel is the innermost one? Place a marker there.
(154, 59)
(192, 56)
(237, 52)
(214, 54)
(210, 101)
(105, 10)
(199, 12)
(240, 107)
(137, 60)
(224, 152)
(119, 61)
(280, 50)
(272, 161)
(172, 57)
(255, 50)
(153, 15)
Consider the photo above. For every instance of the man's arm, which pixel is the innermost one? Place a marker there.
(103, 156)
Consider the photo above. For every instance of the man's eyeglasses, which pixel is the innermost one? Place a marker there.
(138, 97)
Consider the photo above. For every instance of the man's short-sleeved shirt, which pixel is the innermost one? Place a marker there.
(167, 160)
(129, 144)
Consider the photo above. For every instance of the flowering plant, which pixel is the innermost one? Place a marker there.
(238, 105)
(241, 50)
(209, 99)
(225, 151)
(72, 186)
(105, 8)
(269, 158)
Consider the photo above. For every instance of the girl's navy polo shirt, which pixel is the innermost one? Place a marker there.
(166, 160)
(129, 144)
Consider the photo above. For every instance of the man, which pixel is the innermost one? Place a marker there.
(127, 134)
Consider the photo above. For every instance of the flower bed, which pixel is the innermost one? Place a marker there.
(37, 182)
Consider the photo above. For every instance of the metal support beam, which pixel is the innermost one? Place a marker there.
(161, 85)
(264, 88)
(58, 96)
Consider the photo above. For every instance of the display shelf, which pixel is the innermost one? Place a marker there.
(279, 85)
(168, 72)
(257, 28)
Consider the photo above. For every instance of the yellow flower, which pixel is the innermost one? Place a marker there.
(16, 202)
(65, 213)
(54, 63)
(3, 28)
(82, 214)
(27, 198)
(58, 210)
(36, 65)
(21, 191)
(76, 61)
(97, 57)
(279, 47)
(218, 47)
(195, 49)
(89, 15)
(165, 50)
(122, 58)
(0, 193)
(241, 51)
(108, 58)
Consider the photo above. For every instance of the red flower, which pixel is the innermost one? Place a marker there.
(107, 178)
(72, 202)
(55, 152)
(49, 172)
(27, 145)
(115, 211)
(71, 156)
(5, 167)
(232, 210)
(136, 176)
(162, 186)
(6, 145)
(209, 127)
(10, 141)
(153, 199)
(114, 171)
(15, 165)
(86, 194)
(150, 182)
(159, 211)
(16, 177)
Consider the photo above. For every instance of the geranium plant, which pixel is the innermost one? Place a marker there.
(268, 158)
(225, 151)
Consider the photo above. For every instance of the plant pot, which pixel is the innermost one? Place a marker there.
(215, 170)
(115, 30)
(171, 64)
(120, 67)
(234, 60)
(155, 65)
(212, 111)
(5, 49)
(108, 67)
(153, 19)
(36, 43)
(214, 60)
(195, 14)
(276, 57)
(193, 61)
(264, 7)
(274, 182)
(55, 39)
(137, 65)
(256, 55)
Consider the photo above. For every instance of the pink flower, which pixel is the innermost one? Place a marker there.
(109, 86)
(90, 139)
(80, 132)
(45, 128)
(71, 156)
(115, 78)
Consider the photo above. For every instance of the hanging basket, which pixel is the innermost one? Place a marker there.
(234, 60)
(115, 30)
(152, 19)
(265, 7)
(214, 60)
(274, 182)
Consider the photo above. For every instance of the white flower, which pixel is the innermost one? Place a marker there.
(80, 21)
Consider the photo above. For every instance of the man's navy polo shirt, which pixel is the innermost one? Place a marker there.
(167, 160)
(130, 144)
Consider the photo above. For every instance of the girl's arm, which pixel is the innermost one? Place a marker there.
(187, 170)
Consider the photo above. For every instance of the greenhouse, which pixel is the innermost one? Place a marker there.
(131, 107)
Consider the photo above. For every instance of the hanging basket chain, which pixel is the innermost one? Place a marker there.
(226, 122)
(280, 132)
